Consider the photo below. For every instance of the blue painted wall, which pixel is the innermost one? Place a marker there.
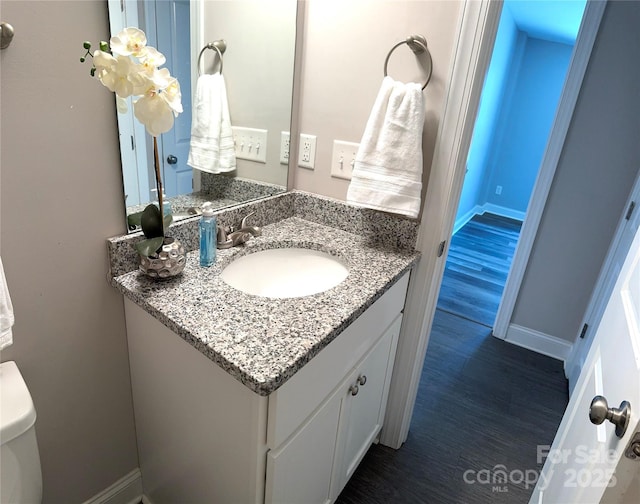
(524, 128)
(518, 104)
(490, 105)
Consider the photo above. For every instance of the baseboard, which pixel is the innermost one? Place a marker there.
(487, 208)
(127, 490)
(503, 211)
(537, 341)
(460, 222)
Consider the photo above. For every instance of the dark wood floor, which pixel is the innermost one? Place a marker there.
(479, 258)
(481, 403)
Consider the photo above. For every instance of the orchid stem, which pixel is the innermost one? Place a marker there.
(156, 162)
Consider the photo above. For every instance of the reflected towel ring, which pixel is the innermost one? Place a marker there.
(418, 45)
(220, 46)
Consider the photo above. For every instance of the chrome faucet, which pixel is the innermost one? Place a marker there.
(230, 237)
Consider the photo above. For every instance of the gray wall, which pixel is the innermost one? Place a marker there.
(343, 55)
(61, 197)
(258, 72)
(599, 162)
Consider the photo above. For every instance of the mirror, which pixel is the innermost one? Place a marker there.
(258, 69)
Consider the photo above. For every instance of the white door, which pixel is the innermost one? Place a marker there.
(587, 462)
(627, 227)
(172, 30)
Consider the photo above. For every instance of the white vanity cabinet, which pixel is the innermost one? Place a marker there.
(363, 407)
(317, 460)
(205, 437)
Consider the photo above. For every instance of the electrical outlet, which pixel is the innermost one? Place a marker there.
(499, 190)
(343, 159)
(307, 151)
(284, 147)
(250, 143)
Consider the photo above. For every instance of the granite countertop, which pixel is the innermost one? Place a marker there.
(262, 342)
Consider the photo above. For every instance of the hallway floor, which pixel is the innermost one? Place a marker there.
(478, 263)
(483, 406)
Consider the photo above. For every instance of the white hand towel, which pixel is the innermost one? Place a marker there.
(387, 174)
(6, 312)
(212, 148)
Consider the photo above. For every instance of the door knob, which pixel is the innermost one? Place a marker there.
(171, 159)
(6, 35)
(599, 411)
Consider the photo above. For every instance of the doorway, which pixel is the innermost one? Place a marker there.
(519, 100)
(475, 45)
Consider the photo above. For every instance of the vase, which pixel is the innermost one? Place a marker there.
(167, 263)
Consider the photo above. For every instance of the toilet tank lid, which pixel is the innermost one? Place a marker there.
(17, 413)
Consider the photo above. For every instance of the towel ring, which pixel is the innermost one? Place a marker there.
(219, 46)
(418, 45)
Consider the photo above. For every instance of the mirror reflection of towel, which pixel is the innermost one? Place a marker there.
(211, 148)
(387, 174)
(6, 312)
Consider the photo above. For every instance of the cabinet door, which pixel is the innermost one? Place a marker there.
(364, 401)
(300, 470)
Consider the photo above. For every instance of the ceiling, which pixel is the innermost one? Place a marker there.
(555, 20)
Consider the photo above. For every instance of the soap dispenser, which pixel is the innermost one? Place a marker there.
(208, 234)
(166, 205)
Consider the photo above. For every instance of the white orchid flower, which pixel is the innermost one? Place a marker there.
(133, 70)
(130, 41)
(146, 82)
(103, 62)
(154, 112)
(151, 58)
(161, 78)
(142, 83)
(118, 78)
(172, 95)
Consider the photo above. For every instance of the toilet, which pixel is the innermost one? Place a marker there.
(20, 474)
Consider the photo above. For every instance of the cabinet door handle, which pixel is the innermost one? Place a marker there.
(354, 389)
(362, 379)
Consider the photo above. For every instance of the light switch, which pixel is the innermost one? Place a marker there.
(250, 143)
(343, 159)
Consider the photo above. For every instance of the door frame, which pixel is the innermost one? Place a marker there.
(476, 35)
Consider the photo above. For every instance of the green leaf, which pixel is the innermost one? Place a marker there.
(151, 222)
(134, 220)
(168, 219)
(149, 247)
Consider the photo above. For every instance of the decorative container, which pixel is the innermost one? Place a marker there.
(167, 263)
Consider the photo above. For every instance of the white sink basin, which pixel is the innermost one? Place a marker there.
(285, 273)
